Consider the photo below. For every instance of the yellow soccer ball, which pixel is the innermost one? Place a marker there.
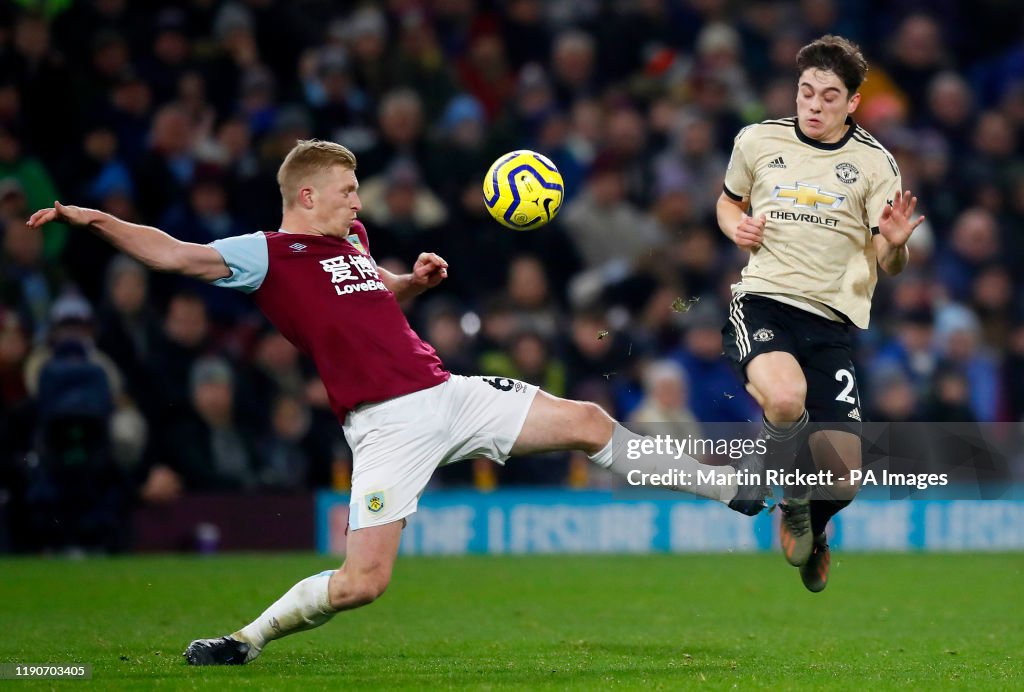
(523, 190)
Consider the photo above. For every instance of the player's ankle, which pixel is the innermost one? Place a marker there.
(254, 640)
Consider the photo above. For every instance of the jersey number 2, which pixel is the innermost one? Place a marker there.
(847, 377)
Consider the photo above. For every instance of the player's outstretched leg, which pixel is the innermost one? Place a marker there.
(554, 424)
(313, 601)
(750, 497)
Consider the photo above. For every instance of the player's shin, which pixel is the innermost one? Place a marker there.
(641, 461)
(784, 443)
(837, 452)
(305, 606)
(826, 502)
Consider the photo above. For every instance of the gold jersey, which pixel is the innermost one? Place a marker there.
(822, 204)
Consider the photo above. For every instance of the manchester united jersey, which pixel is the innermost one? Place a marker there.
(823, 203)
(325, 296)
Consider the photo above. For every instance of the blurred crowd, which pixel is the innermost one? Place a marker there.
(118, 386)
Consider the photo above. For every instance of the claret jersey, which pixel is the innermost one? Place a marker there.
(326, 297)
(823, 203)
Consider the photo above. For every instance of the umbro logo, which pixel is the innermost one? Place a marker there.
(297, 247)
(855, 414)
(777, 163)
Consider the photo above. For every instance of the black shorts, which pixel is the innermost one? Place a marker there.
(821, 346)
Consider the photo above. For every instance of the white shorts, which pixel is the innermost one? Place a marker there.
(397, 444)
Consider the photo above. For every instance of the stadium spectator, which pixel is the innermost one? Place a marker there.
(666, 400)
(595, 218)
(36, 64)
(963, 355)
(974, 243)
(529, 293)
(128, 112)
(917, 56)
(949, 401)
(202, 217)
(272, 370)
(170, 57)
(338, 108)
(573, 66)
(366, 32)
(524, 32)
(910, 348)
(951, 110)
(400, 119)
(459, 154)
(595, 352)
(693, 159)
(443, 328)
(404, 211)
(76, 496)
(891, 396)
(419, 63)
(211, 449)
(34, 181)
(128, 329)
(166, 169)
(28, 284)
(293, 457)
(185, 338)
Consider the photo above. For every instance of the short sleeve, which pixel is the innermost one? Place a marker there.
(739, 178)
(247, 258)
(883, 192)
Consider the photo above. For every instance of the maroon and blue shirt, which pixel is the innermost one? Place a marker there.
(326, 297)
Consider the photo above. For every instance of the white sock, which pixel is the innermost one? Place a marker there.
(615, 456)
(305, 606)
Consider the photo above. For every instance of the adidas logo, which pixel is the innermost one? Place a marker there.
(777, 163)
(855, 414)
(297, 247)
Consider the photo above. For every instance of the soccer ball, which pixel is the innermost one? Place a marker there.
(523, 190)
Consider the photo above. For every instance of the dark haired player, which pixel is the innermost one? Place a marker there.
(817, 201)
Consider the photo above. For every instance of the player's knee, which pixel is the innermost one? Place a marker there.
(593, 428)
(785, 402)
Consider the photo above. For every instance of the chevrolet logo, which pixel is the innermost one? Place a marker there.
(811, 196)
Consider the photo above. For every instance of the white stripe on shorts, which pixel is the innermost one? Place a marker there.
(736, 318)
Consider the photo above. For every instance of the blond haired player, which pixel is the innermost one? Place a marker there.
(403, 413)
(817, 202)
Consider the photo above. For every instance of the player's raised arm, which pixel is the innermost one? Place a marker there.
(894, 230)
(429, 271)
(147, 244)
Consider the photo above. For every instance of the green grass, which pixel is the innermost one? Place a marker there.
(661, 622)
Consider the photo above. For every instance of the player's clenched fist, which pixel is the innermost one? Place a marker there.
(750, 232)
(429, 270)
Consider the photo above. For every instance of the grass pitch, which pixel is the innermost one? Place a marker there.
(628, 622)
